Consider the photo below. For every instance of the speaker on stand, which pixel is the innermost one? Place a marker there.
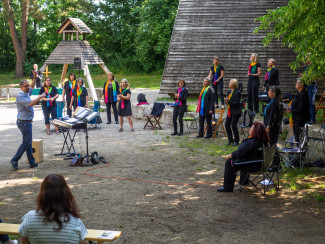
(78, 64)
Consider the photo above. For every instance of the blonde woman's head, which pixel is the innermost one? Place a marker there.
(125, 83)
(254, 57)
(233, 83)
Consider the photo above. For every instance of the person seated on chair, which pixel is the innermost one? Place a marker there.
(205, 108)
(179, 107)
(79, 96)
(49, 105)
(273, 114)
(56, 218)
(124, 106)
(233, 112)
(249, 150)
(68, 89)
(110, 90)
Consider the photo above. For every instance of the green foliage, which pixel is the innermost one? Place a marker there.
(301, 26)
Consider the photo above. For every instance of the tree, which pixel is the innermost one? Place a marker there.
(301, 26)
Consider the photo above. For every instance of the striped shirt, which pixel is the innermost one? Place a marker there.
(38, 232)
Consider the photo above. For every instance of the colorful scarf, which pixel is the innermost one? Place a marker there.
(200, 104)
(230, 95)
(72, 86)
(215, 74)
(178, 101)
(114, 91)
(268, 73)
(122, 92)
(252, 68)
(290, 117)
(48, 91)
(79, 91)
(267, 107)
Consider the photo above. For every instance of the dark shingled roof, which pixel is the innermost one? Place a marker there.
(78, 24)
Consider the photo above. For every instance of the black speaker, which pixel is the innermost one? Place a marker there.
(77, 63)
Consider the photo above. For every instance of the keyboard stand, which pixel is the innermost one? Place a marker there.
(68, 143)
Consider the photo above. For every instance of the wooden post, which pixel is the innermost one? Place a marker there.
(106, 70)
(64, 72)
(90, 83)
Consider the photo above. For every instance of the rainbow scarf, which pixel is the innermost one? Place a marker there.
(267, 107)
(72, 86)
(268, 73)
(178, 101)
(200, 104)
(114, 91)
(48, 91)
(230, 95)
(290, 117)
(216, 68)
(122, 92)
(79, 91)
(252, 68)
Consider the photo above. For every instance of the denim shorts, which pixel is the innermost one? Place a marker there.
(47, 111)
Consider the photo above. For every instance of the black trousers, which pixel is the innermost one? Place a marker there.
(231, 127)
(219, 91)
(296, 128)
(69, 111)
(252, 94)
(208, 119)
(108, 111)
(178, 111)
(231, 172)
(274, 135)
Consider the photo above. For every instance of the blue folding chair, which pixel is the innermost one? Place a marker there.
(96, 122)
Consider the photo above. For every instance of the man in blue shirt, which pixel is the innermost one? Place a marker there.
(24, 121)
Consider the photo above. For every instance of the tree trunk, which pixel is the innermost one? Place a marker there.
(24, 26)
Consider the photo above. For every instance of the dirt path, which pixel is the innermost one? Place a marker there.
(150, 212)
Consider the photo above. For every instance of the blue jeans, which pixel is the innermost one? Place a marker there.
(312, 90)
(26, 130)
(53, 110)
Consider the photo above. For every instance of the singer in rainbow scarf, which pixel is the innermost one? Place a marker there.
(233, 112)
(254, 71)
(67, 92)
(79, 96)
(205, 108)
(271, 77)
(179, 107)
(124, 106)
(110, 90)
(216, 76)
(49, 105)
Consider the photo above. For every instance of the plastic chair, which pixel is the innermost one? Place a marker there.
(96, 122)
(189, 120)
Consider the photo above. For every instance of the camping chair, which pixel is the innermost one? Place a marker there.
(317, 140)
(154, 118)
(321, 106)
(293, 156)
(190, 120)
(217, 123)
(264, 176)
(246, 121)
(96, 122)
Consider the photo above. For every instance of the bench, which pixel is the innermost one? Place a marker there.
(12, 229)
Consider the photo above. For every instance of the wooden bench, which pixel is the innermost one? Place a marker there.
(12, 229)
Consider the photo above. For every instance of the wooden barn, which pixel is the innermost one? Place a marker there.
(207, 28)
(72, 47)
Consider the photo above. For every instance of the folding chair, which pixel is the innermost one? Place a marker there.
(246, 121)
(317, 140)
(189, 120)
(321, 106)
(154, 118)
(217, 123)
(264, 176)
(96, 122)
(293, 156)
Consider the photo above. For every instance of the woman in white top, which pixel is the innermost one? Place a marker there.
(56, 218)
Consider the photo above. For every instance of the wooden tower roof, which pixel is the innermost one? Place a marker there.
(76, 23)
(223, 28)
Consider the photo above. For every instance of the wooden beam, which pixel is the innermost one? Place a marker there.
(64, 72)
(90, 83)
(106, 70)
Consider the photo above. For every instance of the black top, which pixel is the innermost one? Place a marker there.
(52, 94)
(300, 106)
(273, 114)
(258, 65)
(209, 101)
(274, 78)
(182, 96)
(83, 95)
(67, 89)
(234, 102)
(249, 150)
(218, 72)
(110, 91)
(128, 91)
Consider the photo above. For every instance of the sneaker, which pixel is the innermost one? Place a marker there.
(207, 138)
(108, 122)
(174, 134)
(116, 122)
(180, 133)
(34, 165)
(14, 164)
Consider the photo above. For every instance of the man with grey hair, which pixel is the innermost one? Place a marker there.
(24, 121)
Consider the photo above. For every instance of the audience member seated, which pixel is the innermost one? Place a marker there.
(56, 218)
(249, 150)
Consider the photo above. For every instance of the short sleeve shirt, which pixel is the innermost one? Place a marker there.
(39, 232)
(83, 95)
(218, 71)
(258, 65)
(128, 91)
(25, 112)
(68, 89)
